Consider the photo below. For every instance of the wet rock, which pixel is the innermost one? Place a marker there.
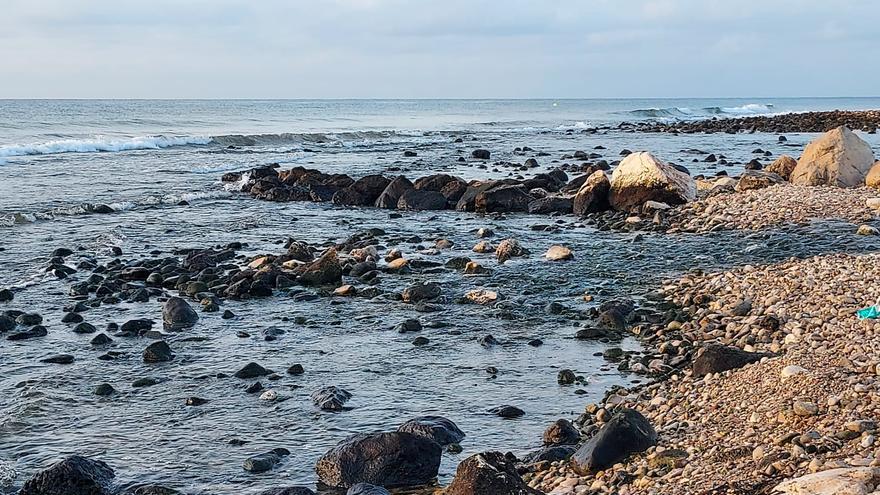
(367, 489)
(59, 359)
(509, 248)
(330, 398)
(6, 295)
(558, 253)
(566, 377)
(437, 428)
(104, 390)
(150, 490)
(29, 319)
(715, 358)
(562, 432)
(550, 204)
(158, 352)
(71, 318)
(252, 370)
(481, 154)
(195, 401)
(488, 341)
(326, 270)
(266, 461)
(507, 411)
(488, 473)
(84, 328)
(592, 196)
(392, 193)
(552, 453)
(409, 325)
(136, 327)
(296, 369)
(7, 324)
(101, 339)
(34, 332)
(177, 314)
(145, 382)
(641, 177)
(503, 198)
(290, 490)
(75, 475)
(421, 292)
(628, 432)
(837, 158)
(392, 459)
(418, 199)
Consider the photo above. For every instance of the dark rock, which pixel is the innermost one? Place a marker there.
(72, 318)
(503, 198)
(507, 412)
(158, 352)
(627, 432)
(150, 490)
(392, 459)
(410, 325)
(418, 199)
(488, 473)
(296, 369)
(252, 370)
(266, 461)
(136, 327)
(6, 295)
(29, 319)
(330, 398)
(592, 196)
(290, 490)
(566, 377)
(367, 489)
(145, 382)
(392, 193)
(715, 358)
(553, 453)
(421, 292)
(84, 328)
(7, 324)
(437, 428)
(195, 401)
(101, 339)
(562, 432)
(75, 475)
(104, 390)
(34, 332)
(59, 359)
(177, 314)
(550, 204)
(326, 270)
(488, 341)
(481, 154)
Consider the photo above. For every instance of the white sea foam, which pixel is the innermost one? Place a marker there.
(99, 144)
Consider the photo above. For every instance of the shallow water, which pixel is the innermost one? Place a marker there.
(150, 435)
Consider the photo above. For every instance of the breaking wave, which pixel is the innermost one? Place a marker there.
(99, 144)
(695, 113)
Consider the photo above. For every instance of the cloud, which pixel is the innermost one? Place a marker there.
(429, 48)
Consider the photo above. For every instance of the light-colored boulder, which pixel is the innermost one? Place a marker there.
(836, 158)
(841, 481)
(558, 253)
(873, 177)
(642, 177)
(782, 166)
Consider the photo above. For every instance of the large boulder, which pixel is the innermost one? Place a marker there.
(419, 199)
(641, 177)
(467, 200)
(392, 193)
(627, 432)
(326, 270)
(592, 196)
(757, 179)
(715, 358)
(436, 182)
(782, 166)
(488, 473)
(836, 158)
(550, 204)
(75, 475)
(391, 459)
(873, 178)
(840, 481)
(177, 314)
(503, 198)
(437, 428)
(371, 186)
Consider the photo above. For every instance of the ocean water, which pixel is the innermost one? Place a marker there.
(143, 158)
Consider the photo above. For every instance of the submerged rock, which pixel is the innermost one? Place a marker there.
(75, 475)
(488, 473)
(627, 432)
(266, 461)
(367, 489)
(158, 352)
(330, 398)
(392, 459)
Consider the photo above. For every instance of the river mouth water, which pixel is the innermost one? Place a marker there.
(148, 434)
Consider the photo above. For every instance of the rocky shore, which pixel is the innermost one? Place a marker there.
(864, 120)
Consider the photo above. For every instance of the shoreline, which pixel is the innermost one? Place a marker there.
(810, 121)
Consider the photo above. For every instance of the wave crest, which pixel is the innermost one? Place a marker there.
(100, 144)
(686, 112)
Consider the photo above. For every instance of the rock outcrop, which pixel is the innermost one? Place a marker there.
(836, 158)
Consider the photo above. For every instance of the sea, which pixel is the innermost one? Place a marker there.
(157, 164)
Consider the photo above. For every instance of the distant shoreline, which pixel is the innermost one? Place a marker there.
(862, 120)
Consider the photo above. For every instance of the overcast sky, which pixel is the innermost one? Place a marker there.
(430, 49)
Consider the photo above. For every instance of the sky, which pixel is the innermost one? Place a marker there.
(438, 49)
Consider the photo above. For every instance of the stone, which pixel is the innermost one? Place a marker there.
(627, 432)
(252, 370)
(592, 196)
(715, 358)
(550, 204)
(791, 370)
(837, 158)
(264, 462)
(562, 432)
(503, 198)
(488, 473)
(437, 428)
(59, 359)
(330, 398)
(389, 197)
(867, 230)
(390, 459)
(177, 314)
(558, 253)
(805, 408)
(757, 179)
(6, 295)
(481, 154)
(840, 481)
(326, 270)
(507, 411)
(641, 177)
(509, 248)
(419, 199)
(481, 296)
(782, 166)
(367, 489)
(104, 390)
(290, 490)
(420, 292)
(872, 180)
(158, 352)
(75, 475)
